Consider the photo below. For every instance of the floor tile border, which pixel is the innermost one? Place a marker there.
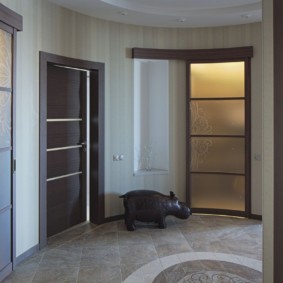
(150, 270)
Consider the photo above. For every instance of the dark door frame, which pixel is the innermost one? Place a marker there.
(96, 105)
(278, 139)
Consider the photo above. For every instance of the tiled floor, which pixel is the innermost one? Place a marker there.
(201, 249)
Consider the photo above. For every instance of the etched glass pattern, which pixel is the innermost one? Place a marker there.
(200, 123)
(217, 80)
(213, 277)
(218, 191)
(218, 155)
(5, 59)
(218, 117)
(217, 129)
(5, 119)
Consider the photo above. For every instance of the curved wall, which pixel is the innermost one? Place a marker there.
(56, 30)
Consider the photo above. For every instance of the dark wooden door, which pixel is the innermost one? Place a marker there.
(66, 152)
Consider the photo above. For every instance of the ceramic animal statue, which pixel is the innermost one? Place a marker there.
(152, 206)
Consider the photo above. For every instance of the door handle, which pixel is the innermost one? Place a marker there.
(84, 146)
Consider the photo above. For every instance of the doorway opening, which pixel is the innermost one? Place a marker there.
(71, 146)
(219, 137)
(201, 143)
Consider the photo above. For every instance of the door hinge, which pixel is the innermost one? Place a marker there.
(14, 165)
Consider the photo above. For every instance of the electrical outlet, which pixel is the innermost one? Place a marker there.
(115, 157)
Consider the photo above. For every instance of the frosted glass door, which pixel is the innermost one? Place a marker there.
(5, 148)
(217, 137)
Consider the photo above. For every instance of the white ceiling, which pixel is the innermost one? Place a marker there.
(170, 13)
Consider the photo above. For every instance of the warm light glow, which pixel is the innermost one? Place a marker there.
(218, 147)
(218, 80)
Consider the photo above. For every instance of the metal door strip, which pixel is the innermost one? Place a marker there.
(64, 176)
(65, 120)
(63, 148)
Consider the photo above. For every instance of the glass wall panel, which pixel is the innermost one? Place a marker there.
(5, 119)
(217, 80)
(218, 117)
(218, 191)
(5, 59)
(219, 154)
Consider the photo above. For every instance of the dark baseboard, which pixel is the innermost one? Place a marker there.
(119, 217)
(5, 272)
(256, 216)
(113, 218)
(219, 212)
(26, 255)
(35, 249)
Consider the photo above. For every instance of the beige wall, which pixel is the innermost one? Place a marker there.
(268, 140)
(56, 30)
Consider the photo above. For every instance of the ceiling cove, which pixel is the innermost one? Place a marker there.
(170, 13)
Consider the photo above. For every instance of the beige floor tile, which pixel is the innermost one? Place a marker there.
(111, 254)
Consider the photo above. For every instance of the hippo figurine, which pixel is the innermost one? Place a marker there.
(152, 206)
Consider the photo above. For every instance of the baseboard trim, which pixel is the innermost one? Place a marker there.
(256, 216)
(26, 255)
(113, 218)
(119, 217)
(5, 271)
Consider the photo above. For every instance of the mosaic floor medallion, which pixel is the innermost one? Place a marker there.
(209, 271)
(213, 276)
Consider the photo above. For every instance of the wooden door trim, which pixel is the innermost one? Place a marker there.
(278, 140)
(192, 54)
(11, 18)
(97, 179)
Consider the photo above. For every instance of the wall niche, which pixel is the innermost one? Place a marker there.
(151, 116)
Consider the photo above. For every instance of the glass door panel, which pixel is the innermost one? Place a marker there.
(217, 137)
(5, 119)
(5, 59)
(5, 150)
(217, 80)
(217, 117)
(218, 191)
(219, 154)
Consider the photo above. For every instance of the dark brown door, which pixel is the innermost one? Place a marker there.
(66, 152)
